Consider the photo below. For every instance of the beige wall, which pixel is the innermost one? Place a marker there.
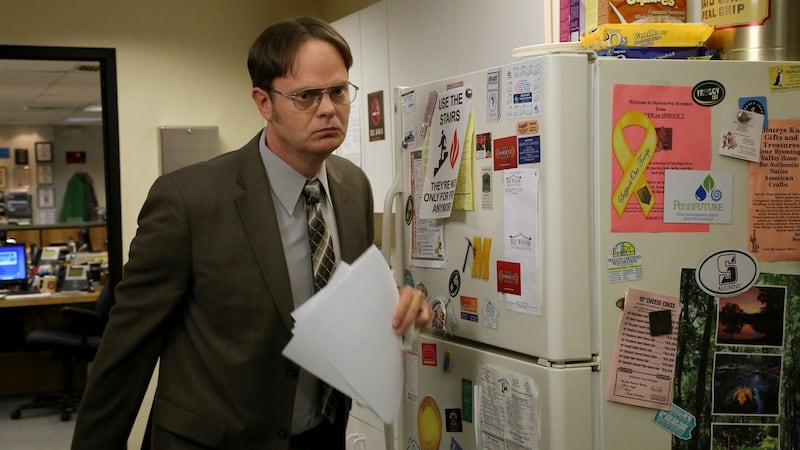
(179, 62)
(336, 9)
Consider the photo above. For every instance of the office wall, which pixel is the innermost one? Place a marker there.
(179, 62)
(64, 138)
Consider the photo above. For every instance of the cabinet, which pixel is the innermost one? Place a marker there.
(365, 430)
(43, 235)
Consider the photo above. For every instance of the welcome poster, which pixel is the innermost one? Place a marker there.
(654, 128)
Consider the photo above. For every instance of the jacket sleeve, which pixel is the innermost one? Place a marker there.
(155, 280)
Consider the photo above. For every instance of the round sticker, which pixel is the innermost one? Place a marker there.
(409, 210)
(725, 273)
(755, 106)
(429, 424)
(708, 93)
(455, 283)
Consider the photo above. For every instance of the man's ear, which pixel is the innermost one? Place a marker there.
(263, 102)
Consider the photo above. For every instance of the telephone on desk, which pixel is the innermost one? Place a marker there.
(76, 278)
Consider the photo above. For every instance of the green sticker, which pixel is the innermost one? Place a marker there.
(466, 400)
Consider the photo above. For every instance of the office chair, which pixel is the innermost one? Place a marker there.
(77, 343)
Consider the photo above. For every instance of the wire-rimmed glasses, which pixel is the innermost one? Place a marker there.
(306, 99)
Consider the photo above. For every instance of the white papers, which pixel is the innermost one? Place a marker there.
(344, 336)
(521, 233)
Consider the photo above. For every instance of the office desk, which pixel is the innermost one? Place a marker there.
(25, 371)
(55, 299)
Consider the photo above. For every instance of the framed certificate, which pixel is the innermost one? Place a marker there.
(44, 174)
(47, 197)
(44, 151)
(21, 156)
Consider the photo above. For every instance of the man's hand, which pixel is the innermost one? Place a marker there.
(412, 308)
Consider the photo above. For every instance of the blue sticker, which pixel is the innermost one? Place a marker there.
(755, 104)
(454, 445)
(5, 152)
(529, 148)
(408, 278)
(677, 421)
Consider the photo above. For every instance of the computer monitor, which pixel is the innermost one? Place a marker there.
(13, 266)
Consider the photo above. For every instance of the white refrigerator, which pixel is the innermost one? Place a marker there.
(529, 199)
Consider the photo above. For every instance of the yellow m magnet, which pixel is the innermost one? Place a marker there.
(480, 264)
(633, 165)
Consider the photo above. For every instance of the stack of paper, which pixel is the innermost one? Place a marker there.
(344, 336)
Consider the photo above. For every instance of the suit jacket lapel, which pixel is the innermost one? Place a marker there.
(343, 209)
(257, 213)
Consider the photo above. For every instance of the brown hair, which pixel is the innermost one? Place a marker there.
(273, 52)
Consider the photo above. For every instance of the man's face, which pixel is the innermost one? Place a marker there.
(306, 138)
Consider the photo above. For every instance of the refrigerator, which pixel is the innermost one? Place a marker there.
(610, 248)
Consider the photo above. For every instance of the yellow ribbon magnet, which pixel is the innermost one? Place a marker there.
(633, 166)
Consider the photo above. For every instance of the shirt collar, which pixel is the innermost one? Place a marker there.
(287, 183)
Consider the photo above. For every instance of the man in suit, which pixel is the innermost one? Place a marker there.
(220, 260)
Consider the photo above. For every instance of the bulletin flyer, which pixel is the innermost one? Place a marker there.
(643, 366)
(654, 128)
(774, 225)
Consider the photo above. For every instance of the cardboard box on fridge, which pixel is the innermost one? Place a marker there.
(644, 11)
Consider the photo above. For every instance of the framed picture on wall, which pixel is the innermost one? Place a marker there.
(21, 156)
(44, 174)
(44, 151)
(47, 197)
(3, 177)
(22, 176)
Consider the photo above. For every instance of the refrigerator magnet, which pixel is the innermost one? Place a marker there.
(453, 420)
(447, 361)
(428, 351)
(439, 309)
(490, 315)
(408, 278)
(469, 308)
(454, 284)
(421, 287)
(409, 214)
(660, 322)
(726, 273)
(505, 153)
(429, 424)
(757, 105)
(508, 277)
(530, 149)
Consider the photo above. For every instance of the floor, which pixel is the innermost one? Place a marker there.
(36, 430)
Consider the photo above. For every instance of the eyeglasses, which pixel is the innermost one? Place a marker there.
(304, 100)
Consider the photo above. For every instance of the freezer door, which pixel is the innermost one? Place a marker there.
(552, 320)
(451, 388)
(693, 140)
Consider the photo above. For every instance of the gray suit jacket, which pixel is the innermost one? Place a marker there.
(206, 289)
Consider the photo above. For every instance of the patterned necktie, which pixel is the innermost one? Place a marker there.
(323, 259)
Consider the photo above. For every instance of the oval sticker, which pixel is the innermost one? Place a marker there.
(708, 93)
(725, 273)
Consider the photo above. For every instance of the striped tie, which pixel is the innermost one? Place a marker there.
(323, 262)
(323, 259)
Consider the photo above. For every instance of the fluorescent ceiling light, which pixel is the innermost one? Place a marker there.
(83, 120)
